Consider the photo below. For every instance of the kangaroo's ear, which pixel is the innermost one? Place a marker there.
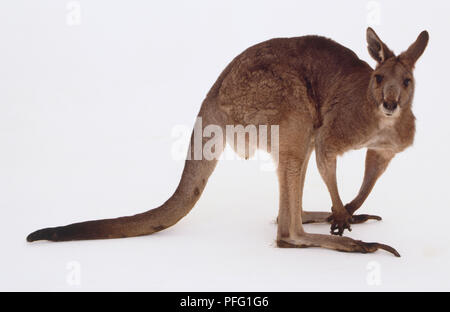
(413, 53)
(377, 49)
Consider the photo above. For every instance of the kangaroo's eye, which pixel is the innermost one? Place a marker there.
(378, 78)
(406, 82)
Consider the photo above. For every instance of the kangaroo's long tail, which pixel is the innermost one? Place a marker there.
(191, 186)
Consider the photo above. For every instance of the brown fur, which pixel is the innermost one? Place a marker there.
(324, 98)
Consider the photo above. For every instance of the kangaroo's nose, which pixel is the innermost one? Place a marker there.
(390, 105)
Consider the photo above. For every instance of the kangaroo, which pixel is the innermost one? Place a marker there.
(323, 98)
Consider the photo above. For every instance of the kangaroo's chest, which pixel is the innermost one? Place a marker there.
(387, 137)
(384, 139)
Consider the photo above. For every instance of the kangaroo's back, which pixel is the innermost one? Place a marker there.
(280, 75)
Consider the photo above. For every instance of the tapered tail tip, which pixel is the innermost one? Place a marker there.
(396, 253)
(43, 234)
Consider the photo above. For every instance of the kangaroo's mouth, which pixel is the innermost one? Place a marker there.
(388, 112)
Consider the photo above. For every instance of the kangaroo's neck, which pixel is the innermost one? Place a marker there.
(351, 96)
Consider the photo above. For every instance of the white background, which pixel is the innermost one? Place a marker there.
(86, 115)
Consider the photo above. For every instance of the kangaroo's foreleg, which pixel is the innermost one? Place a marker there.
(372, 162)
(376, 163)
(290, 229)
(326, 163)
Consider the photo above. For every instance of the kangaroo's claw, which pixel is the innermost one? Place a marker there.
(371, 247)
(339, 224)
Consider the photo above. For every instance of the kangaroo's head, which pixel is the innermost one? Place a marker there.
(392, 81)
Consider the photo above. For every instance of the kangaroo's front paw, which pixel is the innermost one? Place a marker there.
(340, 222)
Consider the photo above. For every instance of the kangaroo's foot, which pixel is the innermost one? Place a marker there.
(326, 217)
(363, 218)
(338, 243)
(356, 219)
